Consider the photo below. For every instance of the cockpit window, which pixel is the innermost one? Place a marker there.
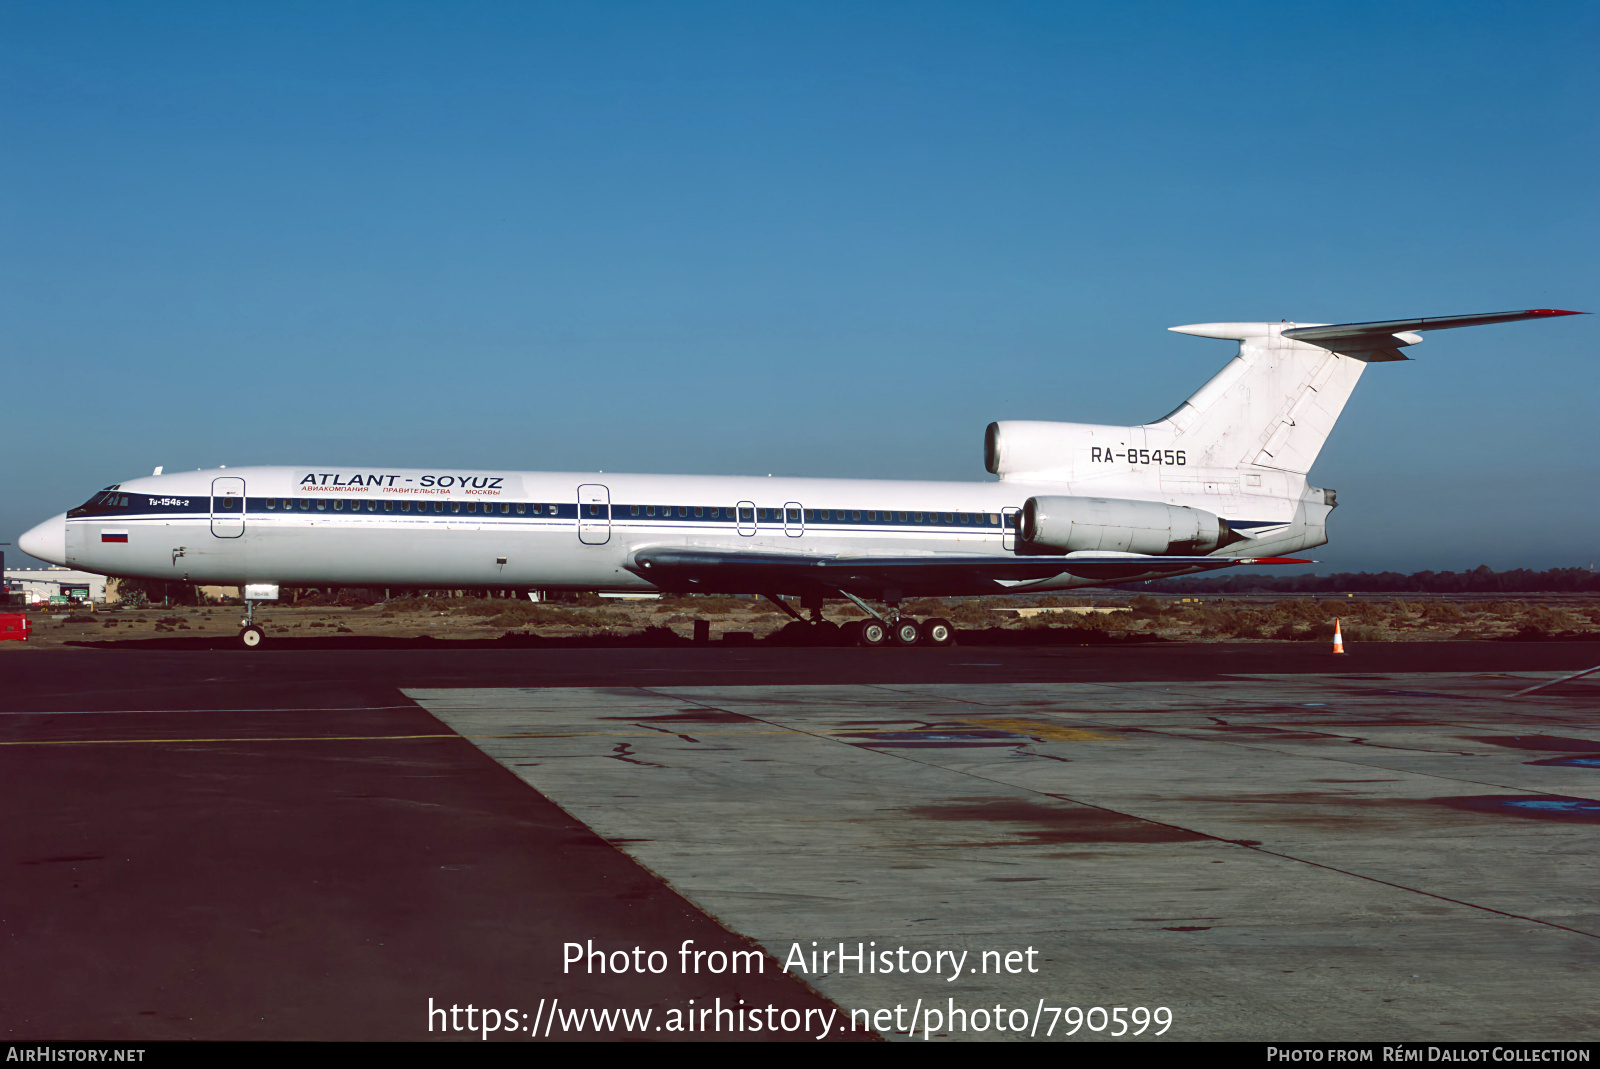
(107, 500)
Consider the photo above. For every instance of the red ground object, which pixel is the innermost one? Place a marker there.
(14, 625)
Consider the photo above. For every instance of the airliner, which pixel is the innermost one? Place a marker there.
(1218, 482)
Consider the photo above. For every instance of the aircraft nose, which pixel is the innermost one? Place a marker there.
(48, 541)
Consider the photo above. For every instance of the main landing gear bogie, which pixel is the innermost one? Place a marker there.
(873, 632)
(887, 629)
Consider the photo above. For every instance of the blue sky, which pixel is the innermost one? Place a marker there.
(806, 238)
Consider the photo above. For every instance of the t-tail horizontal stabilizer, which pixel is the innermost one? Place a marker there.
(1370, 342)
(1381, 340)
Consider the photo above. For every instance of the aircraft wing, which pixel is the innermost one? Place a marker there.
(689, 568)
(1378, 341)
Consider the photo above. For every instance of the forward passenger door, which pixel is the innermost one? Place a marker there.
(594, 514)
(227, 507)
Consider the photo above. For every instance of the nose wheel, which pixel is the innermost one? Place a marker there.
(251, 636)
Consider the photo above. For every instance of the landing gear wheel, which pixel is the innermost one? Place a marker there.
(938, 632)
(904, 632)
(251, 638)
(872, 633)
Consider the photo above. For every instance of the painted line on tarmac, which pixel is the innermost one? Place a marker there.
(137, 712)
(269, 738)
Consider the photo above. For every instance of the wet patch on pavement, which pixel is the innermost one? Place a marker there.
(1537, 742)
(1039, 823)
(1530, 807)
(1586, 761)
(932, 738)
(690, 716)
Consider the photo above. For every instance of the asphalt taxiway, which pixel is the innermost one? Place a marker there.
(1268, 841)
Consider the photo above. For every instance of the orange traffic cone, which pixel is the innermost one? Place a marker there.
(1338, 639)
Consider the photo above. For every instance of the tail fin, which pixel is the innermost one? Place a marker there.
(1274, 404)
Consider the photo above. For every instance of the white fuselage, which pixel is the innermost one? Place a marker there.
(429, 528)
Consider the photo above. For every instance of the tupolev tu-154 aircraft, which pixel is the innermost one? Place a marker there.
(1218, 482)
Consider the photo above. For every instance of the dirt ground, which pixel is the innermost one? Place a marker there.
(1114, 617)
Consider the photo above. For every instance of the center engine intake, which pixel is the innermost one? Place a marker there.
(1070, 524)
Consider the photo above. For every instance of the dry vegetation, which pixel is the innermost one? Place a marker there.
(1362, 619)
(978, 620)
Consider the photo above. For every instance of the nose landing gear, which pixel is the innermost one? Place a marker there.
(252, 636)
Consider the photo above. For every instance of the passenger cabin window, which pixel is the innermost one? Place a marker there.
(438, 506)
(747, 514)
(338, 505)
(322, 504)
(522, 508)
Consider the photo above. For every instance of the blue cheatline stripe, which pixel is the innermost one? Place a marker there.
(143, 507)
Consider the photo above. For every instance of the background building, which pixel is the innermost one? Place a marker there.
(36, 585)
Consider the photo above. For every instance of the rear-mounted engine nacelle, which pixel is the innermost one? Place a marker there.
(1069, 524)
